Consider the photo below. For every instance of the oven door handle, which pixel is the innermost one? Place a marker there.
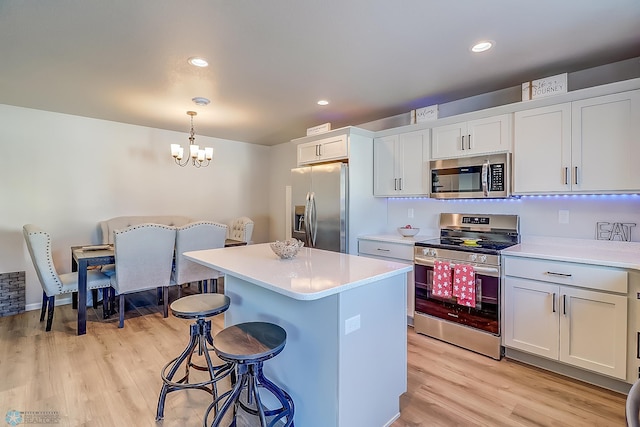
(479, 269)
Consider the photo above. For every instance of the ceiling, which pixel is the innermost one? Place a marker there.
(270, 61)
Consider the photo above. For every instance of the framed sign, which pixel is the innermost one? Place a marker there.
(543, 88)
(316, 130)
(427, 113)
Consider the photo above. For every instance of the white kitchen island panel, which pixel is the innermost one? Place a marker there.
(336, 377)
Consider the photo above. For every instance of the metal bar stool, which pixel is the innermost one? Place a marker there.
(248, 345)
(197, 307)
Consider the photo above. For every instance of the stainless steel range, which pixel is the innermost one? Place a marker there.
(468, 248)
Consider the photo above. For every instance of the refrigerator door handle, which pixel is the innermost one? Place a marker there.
(313, 223)
(307, 220)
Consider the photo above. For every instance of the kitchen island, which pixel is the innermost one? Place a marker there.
(345, 361)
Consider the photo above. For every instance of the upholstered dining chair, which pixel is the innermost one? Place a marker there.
(194, 237)
(632, 406)
(241, 229)
(144, 256)
(53, 284)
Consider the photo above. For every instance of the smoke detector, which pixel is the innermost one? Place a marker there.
(200, 100)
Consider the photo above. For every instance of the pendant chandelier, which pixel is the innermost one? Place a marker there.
(198, 157)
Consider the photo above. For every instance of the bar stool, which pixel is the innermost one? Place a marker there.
(248, 345)
(198, 307)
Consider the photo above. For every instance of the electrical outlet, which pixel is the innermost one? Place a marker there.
(563, 217)
(351, 324)
(410, 213)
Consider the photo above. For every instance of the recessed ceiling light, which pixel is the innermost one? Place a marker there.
(198, 62)
(482, 46)
(323, 102)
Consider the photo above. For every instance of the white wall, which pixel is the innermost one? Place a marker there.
(538, 215)
(66, 173)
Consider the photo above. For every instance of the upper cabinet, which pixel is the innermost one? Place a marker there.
(401, 164)
(323, 150)
(542, 150)
(586, 146)
(480, 136)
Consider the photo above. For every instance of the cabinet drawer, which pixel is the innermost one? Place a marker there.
(567, 273)
(386, 249)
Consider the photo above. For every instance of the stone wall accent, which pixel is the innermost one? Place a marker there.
(12, 298)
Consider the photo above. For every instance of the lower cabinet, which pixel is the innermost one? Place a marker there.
(585, 328)
(399, 252)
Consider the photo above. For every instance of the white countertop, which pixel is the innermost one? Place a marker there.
(397, 238)
(312, 274)
(596, 252)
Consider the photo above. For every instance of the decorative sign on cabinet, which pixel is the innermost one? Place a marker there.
(541, 88)
(427, 113)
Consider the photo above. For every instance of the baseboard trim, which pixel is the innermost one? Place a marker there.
(568, 371)
(38, 305)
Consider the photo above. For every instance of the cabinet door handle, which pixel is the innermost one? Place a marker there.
(638, 345)
(317, 153)
(395, 184)
(469, 142)
(552, 273)
(575, 176)
(463, 142)
(566, 176)
(553, 302)
(400, 184)
(564, 304)
(383, 250)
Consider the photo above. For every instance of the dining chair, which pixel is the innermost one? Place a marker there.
(143, 260)
(53, 284)
(241, 229)
(632, 406)
(194, 237)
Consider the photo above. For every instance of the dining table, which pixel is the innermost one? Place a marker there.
(83, 257)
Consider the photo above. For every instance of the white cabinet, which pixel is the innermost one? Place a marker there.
(491, 134)
(552, 310)
(606, 143)
(372, 247)
(586, 146)
(401, 164)
(542, 150)
(323, 150)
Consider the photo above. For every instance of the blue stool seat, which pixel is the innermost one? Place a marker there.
(197, 307)
(247, 346)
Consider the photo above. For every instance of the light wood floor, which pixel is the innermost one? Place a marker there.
(110, 377)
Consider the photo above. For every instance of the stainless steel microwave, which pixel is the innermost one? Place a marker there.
(479, 177)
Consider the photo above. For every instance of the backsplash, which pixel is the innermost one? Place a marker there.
(574, 216)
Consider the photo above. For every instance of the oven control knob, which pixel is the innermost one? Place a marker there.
(483, 258)
(433, 253)
(473, 257)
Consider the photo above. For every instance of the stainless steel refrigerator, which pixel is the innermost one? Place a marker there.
(319, 197)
